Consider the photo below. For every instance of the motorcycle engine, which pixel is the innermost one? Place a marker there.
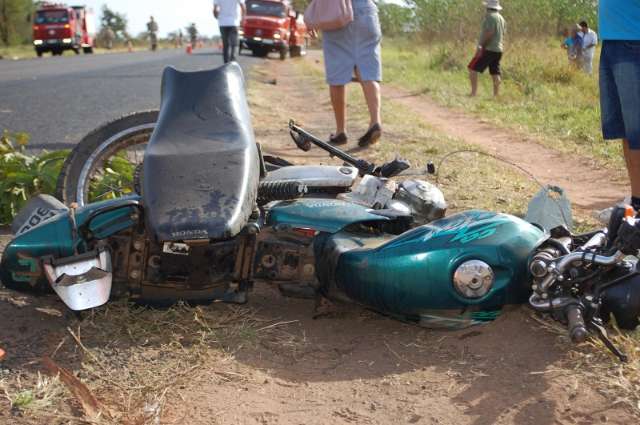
(425, 200)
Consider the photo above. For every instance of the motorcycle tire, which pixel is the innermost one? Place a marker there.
(98, 146)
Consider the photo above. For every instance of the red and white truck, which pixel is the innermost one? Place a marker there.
(58, 27)
(273, 26)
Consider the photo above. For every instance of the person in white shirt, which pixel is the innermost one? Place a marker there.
(589, 43)
(229, 14)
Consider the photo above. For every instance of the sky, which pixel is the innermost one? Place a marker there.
(171, 15)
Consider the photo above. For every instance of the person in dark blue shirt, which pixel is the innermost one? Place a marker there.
(620, 82)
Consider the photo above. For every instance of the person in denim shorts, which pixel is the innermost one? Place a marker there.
(620, 82)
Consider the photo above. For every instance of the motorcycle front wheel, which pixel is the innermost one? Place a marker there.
(105, 163)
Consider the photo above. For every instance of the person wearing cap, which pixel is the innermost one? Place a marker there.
(490, 47)
(589, 43)
(620, 82)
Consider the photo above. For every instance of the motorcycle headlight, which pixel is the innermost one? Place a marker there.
(473, 279)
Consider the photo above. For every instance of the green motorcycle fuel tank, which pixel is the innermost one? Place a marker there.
(454, 272)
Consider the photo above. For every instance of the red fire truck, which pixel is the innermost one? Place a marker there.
(273, 26)
(58, 27)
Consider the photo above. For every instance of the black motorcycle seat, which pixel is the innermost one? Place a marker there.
(201, 166)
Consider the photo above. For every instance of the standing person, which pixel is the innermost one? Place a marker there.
(620, 82)
(573, 44)
(589, 43)
(152, 28)
(229, 14)
(490, 47)
(355, 48)
(109, 36)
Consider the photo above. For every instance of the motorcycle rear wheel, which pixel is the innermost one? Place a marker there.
(90, 162)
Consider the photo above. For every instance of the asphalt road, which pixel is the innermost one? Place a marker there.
(57, 100)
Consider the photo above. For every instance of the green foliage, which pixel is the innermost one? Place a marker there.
(459, 20)
(394, 19)
(23, 175)
(300, 5)
(117, 22)
(23, 399)
(541, 93)
(15, 21)
(114, 180)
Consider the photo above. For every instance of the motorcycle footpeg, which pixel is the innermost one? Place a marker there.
(81, 281)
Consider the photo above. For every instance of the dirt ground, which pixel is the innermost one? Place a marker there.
(285, 367)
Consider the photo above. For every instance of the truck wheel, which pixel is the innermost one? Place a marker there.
(295, 51)
(125, 137)
(283, 53)
(260, 52)
(39, 53)
(87, 50)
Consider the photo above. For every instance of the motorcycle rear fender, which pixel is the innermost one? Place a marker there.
(21, 265)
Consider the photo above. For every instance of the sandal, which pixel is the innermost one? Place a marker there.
(338, 139)
(371, 136)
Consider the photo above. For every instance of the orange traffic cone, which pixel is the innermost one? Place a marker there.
(189, 49)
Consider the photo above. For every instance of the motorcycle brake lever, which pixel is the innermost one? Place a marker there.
(392, 168)
(604, 337)
(303, 143)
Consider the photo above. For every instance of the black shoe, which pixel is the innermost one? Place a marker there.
(371, 136)
(338, 139)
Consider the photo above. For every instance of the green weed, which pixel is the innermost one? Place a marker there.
(23, 174)
(541, 93)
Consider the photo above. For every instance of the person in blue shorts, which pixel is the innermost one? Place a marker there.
(620, 82)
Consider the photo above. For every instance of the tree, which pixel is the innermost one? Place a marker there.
(15, 21)
(300, 5)
(117, 22)
(394, 19)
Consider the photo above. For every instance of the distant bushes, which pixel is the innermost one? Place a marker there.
(458, 20)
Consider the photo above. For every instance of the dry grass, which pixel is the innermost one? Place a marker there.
(133, 358)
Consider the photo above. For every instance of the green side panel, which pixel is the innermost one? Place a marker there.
(411, 275)
(21, 264)
(324, 215)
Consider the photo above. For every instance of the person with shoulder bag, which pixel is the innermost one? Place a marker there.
(351, 46)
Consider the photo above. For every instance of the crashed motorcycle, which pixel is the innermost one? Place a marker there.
(211, 215)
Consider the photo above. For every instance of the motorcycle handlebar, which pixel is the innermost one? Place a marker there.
(304, 139)
(576, 326)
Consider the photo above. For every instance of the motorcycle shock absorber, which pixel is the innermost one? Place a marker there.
(280, 190)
